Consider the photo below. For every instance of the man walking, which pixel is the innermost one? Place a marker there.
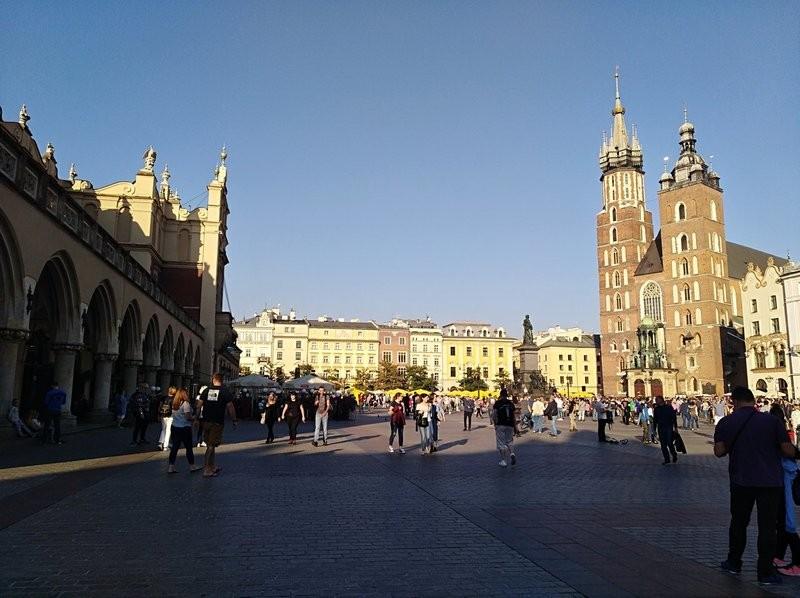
(503, 419)
(754, 443)
(140, 408)
(667, 423)
(54, 400)
(321, 418)
(469, 408)
(537, 412)
(213, 402)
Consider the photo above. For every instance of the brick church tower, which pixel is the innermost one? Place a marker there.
(624, 232)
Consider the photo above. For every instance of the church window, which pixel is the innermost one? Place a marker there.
(619, 325)
(627, 298)
(695, 269)
(696, 290)
(685, 267)
(608, 302)
(613, 214)
(625, 345)
(680, 212)
(642, 231)
(613, 347)
(684, 243)
(617, 279)
(688, 318)
(698, 317)
(687, 293)
(618, 302)
(615, 257)
(714, 210)
(651, 302)
(613, 234)
(641, 213)
(716, 242)
(605, 257)
(624, 255)
(677, 318)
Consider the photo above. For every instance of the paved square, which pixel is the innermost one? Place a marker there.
(350, 519)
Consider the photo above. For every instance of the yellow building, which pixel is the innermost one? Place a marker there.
(289, 343)
(475, 345)
(345, 347)
(569, 363)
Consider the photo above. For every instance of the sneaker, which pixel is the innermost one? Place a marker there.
(729, 567)
(325, 443)
(780, 562)
(391, 450)
(402, 451)
(503, 463)
(792, 571)
(770, 580)
(513, 459)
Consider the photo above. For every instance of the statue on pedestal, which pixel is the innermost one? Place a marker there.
(527, 337)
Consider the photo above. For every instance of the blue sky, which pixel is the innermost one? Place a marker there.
(413, 158)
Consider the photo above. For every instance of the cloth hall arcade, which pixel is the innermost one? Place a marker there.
(670, 302)
(104, 288)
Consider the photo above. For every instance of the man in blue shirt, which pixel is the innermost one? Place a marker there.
(754, 443)
(54, 400)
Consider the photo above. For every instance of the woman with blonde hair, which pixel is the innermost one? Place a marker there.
(181, 430)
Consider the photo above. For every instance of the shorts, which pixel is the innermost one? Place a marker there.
(212, 433)
(505, 437)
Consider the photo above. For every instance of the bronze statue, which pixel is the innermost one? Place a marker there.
(527, 338)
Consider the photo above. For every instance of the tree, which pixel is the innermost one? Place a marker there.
(472, 381)
(244, 370)
(389, 377)
(503, 380)
(363, 380)
(417, 377)
(280, 377)
(306, 369)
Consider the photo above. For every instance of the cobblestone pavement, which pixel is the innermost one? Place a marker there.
(94, 517)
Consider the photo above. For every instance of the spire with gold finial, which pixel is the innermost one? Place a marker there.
(619, 150)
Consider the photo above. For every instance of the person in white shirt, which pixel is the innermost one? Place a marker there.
(13, 415)
(560, 405)
(537, 412)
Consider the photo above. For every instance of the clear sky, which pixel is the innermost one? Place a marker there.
(413, 158)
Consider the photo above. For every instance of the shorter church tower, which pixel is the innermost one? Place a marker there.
(624, 232)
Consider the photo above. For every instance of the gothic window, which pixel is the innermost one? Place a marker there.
(619, 325)
(625, 345)
(613, 347)
(651, 302)
(613, 214)
(615, 257)
(680, 212)
(684, 243)
(618, 302)
(621, 364)
(687, 293)
(641, 213)
(642, 232)
(685, 267)
(613, 234)
(617, 279)
(688, 318)
(714, 210)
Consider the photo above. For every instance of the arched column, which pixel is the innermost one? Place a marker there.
(130, 375)
(64, 370)
(103, 367)
(10, 342)
(150, 375)
(164, 380)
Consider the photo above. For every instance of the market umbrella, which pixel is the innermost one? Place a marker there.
(310, 382)
(255, 381)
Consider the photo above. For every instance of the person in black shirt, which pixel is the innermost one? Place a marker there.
(503, 419)
(213, 402)
(271, 416)
(667, 423)
(293, 412)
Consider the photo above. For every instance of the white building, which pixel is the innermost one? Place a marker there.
(765, 332)
(791, 290)
(255, 338)
(426, 346)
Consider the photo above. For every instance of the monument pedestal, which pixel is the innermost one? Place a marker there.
(528, 364)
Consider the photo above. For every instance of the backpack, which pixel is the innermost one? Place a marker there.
(165, 407)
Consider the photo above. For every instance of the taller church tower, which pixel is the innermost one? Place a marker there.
(624, 232)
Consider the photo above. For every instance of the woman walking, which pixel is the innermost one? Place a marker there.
(436, 416)
(423, 418)
(165, 414)
(293, 412)
(270, 417)
(573, 416)
(397, 421)
(181, 430)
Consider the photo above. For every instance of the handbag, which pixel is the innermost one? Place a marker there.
(680, 446)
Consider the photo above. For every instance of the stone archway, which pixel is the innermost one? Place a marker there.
(638, 388)
(54, 333)
(167, 360)
(99, 323)
(656, 388)
(130, 349)
(12, 312)
(178, 361)
(151, 352)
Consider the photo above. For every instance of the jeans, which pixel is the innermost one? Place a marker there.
(742, 500)
(537, 423)
(396, 430)
(601, 430)
(139, 428)
(166, 430)
(425, 436)
(270, 430)
(181, 436)
(553, 427)
(667, 444)
(51, 418)
(468, 420)
(293, 423)
(321, 421)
